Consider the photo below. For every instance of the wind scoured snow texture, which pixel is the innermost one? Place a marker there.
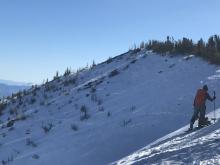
(150, 96)
(197, 147)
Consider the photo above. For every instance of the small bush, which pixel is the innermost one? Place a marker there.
(126, 67)
(99, 102)
(114, 73)
(109, 60)
(30, 142)
(7, 161)
(12, 111)
(133, 61)
(172, 65)
(133, 108)
(74, 127)
(93, 90)
(2, 107)
(10, 123)
(84, 111)
(35, 156)
(21, 117)
(33, 100)
(126, 122)
(69, 82)
(47, 127)
(67, 72)
(94, 97)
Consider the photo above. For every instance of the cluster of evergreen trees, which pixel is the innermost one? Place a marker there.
(209, 50)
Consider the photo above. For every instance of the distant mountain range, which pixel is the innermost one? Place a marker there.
(8, 87)
(14, 83)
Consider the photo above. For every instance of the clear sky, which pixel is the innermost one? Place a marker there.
(39, 37)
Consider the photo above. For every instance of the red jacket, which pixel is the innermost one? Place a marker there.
(201, 97)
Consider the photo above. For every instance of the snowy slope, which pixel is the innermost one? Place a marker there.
(197, 147)
(147, 97)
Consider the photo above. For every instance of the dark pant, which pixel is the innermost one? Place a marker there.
(199, 112)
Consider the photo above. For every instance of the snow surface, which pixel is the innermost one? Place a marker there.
(150, 97)
(180, 147)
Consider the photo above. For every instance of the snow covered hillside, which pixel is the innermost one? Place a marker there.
(101, 114)
(198, 147)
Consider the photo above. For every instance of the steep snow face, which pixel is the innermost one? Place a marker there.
(198, 147)
(130, 101)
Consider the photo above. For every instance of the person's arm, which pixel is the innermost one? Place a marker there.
(209, 97)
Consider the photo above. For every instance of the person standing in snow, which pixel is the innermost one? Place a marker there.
(200, 107)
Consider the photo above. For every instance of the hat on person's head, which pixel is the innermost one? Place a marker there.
(205, 87)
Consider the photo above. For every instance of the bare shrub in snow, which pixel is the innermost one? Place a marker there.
(7, 161)
(133, 108)
(84, 111)
(126, 67)
(30, 142)
(35, 156)
(66, 93)
(32, 100)
(172, 65)
(2, 107)
(93, 89)
(47, 127)
(133, 61)
(94, 97)
(10, 123)
(114, 73)
(74, 127)
(126, 122)
(69, 82)
(67, 72)
(99, 102)
(109, 60)
(56, 77)
(21, 117)
(93, 64)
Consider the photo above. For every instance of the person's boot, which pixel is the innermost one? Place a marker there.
(191, 127)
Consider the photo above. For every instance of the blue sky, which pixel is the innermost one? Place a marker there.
(39, 37)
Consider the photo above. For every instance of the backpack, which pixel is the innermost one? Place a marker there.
(200, 98)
